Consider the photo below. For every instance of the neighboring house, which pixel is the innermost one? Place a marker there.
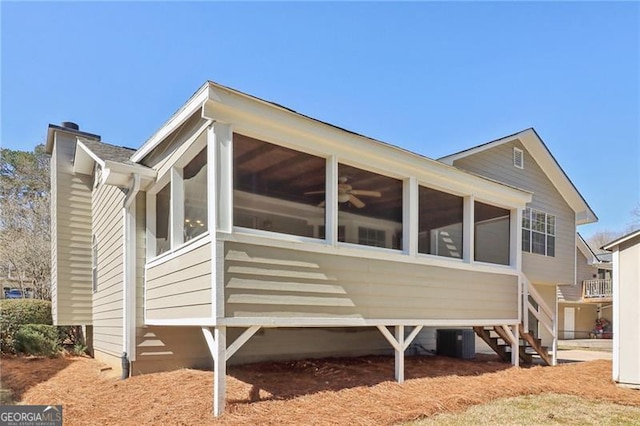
(242, 228)
(589, 299)
(13, 285)
(626, 315)
(549, 222)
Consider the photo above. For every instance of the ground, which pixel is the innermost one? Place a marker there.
(330, 391)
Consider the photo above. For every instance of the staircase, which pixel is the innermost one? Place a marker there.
(497, 340)
(500, 338)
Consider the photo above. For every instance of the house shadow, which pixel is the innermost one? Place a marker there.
(290, 379)
(19, 374)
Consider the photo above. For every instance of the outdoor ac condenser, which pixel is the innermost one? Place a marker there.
(457, 343)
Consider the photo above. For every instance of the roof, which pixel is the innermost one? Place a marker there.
(105, 151)
(613, 244)
(547, 162)
(207, 93)
(590, 254)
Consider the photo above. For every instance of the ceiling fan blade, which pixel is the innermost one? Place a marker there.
(314, 192)
(322, 204)
(377, 194)
(356, 201)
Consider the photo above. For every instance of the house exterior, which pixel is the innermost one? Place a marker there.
(244, 229)
(626, 316)
(589, 299)
(549, 221)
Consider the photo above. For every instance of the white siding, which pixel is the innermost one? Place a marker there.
(70, 237)
(107, 301)
(267, 281)
(497, 163)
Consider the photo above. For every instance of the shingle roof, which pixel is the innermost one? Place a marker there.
(105, 151)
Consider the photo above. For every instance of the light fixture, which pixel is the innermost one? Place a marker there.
(343, 197)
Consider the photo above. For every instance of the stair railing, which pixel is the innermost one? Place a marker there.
(543, 313)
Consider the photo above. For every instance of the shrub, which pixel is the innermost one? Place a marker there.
(37, 339)
(19, 312)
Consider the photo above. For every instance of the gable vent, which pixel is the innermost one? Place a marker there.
(518, 158)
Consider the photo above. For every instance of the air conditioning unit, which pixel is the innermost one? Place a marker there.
(457, 343)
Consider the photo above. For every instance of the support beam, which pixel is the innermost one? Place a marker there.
(217, 343)
(400, 345)
(399, 354)
(241, 340)
(515, 343)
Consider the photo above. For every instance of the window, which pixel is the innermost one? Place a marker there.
(491, 242)
(440, 223)
(277, 189)
(369, 207)
(94, 263)
(538, 232)
(518, 158)
(163, 228)
(194, 181)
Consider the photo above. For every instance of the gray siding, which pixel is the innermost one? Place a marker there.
(181, 286)
(270, 282)
(107, 301)
(497, 163)
(70, 237)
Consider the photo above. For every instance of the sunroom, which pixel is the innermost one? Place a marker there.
(262, 217)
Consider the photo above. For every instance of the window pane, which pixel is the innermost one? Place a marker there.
(369, 200)
(440, 223)
(491, 234)
(277, 189)
(194, 178)
(551, 246)
(163, 236)
(538, 243)
(526, 240)
(526, 218)
(551, 225)
(538, 221)
(372, 237)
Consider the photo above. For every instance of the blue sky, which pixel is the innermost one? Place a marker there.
(434, 78)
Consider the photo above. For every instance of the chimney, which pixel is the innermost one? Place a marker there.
(70, 125)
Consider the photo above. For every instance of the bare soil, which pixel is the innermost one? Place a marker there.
(357, 391)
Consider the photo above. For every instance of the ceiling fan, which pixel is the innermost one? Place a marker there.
(346, 193)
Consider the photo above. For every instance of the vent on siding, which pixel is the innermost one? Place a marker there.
(518, 158)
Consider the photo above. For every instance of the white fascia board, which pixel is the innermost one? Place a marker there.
(613, 244)
(257, 118)
(586, 250)
(176, 120)
(120, 174)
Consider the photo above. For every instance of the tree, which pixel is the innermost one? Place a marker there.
(601, 238)
(25, 237)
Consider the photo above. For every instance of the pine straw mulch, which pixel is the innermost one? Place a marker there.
(357, 391)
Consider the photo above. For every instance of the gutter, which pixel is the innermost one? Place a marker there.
(129, 275)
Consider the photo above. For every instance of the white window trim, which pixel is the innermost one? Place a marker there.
(546, 230)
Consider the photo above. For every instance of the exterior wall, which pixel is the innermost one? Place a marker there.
(584, 271)
(272, 282)
(108, 299)
(70, 237)
(181, 286)
(628, 318)
(497, 163)
(585, 319)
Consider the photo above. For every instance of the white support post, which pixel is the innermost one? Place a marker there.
(410, 209)
(399, 354)
(515, 249)
(177, 208)
(212, 218)
(514, 336)
(468, 229)
(223, 167)
(217, 343)
(554, 361)
(331, 202)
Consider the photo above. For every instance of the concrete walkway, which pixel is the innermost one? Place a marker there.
(604, 345)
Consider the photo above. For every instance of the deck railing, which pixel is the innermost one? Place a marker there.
(600, 288)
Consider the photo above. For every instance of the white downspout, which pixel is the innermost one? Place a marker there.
(129, 269)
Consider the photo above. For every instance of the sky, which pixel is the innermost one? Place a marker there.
(431, 77)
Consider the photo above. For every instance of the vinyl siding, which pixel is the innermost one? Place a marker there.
(629, 314)
(108, 299)
(585, 319)
(70, 237)
(573, 293)
(180, 287)
(497, 163)
(265, 281)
